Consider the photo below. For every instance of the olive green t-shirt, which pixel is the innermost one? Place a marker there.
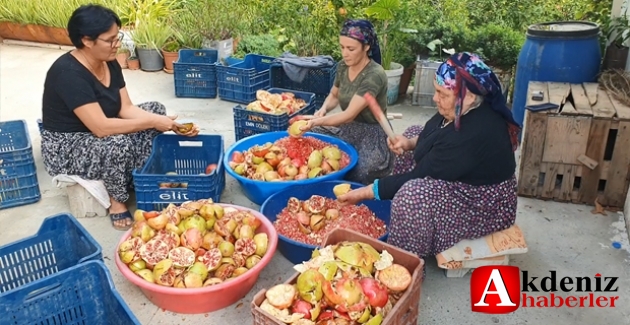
(372, 79)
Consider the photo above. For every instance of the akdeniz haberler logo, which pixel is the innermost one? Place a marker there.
(504, 289)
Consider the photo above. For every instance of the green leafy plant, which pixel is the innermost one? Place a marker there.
(265, 44)
(385, 12)
(151, 34)
(501, 45)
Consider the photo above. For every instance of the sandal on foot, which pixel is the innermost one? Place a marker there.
(118, 217)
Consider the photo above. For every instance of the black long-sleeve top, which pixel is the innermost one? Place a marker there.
(479, 153)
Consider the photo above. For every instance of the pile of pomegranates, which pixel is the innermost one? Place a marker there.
(194, 245)
(309, 221)
(344, 284)
(289, 158)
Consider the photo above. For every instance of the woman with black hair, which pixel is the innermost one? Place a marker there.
(91, 128)
(359, 72)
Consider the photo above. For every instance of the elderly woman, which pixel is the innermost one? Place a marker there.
(359, 72)
(453, 179)
(91, 128)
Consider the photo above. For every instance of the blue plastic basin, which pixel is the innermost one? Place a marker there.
(259, 191)
(298, 252)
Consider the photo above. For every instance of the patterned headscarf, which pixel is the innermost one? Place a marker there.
(465, 71)
(363, 31)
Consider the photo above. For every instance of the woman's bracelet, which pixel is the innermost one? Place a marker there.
(375, 190)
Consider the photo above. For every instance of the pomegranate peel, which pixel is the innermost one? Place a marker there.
(281, 296)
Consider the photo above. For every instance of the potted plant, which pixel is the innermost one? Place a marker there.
(384, 11)
(170, 52)
(617, 32)
(122, 56)
(149, 37)
(219, 26)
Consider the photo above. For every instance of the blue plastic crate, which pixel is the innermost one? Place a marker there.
(248, 123)
(318, 81)
(240, 94)
(60, 243)
(83, 294)
(195, 74)
(252, 71)
(18, 174)
(188, 157)
(230, 60)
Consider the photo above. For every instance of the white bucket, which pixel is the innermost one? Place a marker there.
(393, 82)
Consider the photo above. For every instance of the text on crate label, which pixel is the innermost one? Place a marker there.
(233, 79)
(257, 125)
(174, 195)
(194, 75)
(255, 118)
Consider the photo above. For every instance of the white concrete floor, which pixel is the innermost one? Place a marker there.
(561, 237)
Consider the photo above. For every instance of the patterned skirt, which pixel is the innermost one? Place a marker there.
(110, 159)
(430, 216)
(370, 141)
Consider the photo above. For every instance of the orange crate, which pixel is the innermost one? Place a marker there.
(405, 311)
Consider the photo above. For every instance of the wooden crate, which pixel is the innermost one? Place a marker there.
(579, 152)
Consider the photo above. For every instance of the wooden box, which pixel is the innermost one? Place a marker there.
(579, 152)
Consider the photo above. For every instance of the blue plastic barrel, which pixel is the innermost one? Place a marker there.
(556, 52)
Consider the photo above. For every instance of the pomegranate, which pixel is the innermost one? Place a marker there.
(172, 239)
(316, 204)
(212, 281)
(154, 251)
(185, 281)
(182, 256)
(344, 294)
(210, 168)
(146, 274)
(261, 240)
(245, 246)
(211, 259)
(138, 215)
(295, 130)
(252, 221)
(192, 239)
(309, 285)
(298, 163)
(226, 248)
(396, 277)
(302, 307)
(163, 273)
(303, 218)
(251, 261)
(195, 221)
(142, 230)
(238, 157)
(224, 271)
(239, 259)
(156, 220)
(281, 296)
(375, 292)
(332, 213)
(137, 265)
(129, 250)
(341, 189)
(293, 205)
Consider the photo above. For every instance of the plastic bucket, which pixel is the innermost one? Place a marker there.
(393, 82)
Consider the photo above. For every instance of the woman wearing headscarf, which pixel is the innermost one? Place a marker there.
(454, 178)
(359, 72)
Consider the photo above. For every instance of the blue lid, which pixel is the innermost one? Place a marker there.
(616, 245)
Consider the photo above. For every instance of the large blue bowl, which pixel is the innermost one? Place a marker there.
(259, 191)
(298, 252)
